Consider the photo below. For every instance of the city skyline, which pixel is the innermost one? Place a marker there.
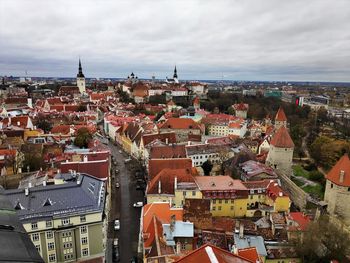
(230, 40)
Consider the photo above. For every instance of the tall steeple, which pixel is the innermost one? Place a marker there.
(81, 79)
(80, 73)
(175, 73)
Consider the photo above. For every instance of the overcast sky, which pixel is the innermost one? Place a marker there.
(214, 39)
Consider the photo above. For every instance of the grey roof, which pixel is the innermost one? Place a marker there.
(77, 195)
(181, 229)
(15, 243)
(251, 241)
(206, 149)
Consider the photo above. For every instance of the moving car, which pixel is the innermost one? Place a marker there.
(116, 224)
(138, 204)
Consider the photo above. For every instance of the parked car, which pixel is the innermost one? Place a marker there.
(127, 160)
(117, 185)
(116, 242)
(116, 255)
(116, 224)
(138, 204)
(120, 151)
(140, 181)
(133, 260)
(117, 171)
(139, 187)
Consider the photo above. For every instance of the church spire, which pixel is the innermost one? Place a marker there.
(80, 73)
(175, 73)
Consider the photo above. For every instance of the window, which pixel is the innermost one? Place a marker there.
(331, 185)
(220, 201)
(349, 189)
(231, 207)
(214, 201)
(83, 229)
(82, 219)
(35, 237)
(49, 235)
(85, 252)
(251, 197)
(50, 246)
(193, 193)
(67, 234)
(214, 208)
(183, 246)
(84, 241)
(52, 258)
(232, 201)
(48, 223)
(65, 221)
(38, 248)
(34, 226)
(226, 201)
(219, 207)
(184, 193)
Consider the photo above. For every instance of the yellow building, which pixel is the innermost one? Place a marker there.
(228, 197)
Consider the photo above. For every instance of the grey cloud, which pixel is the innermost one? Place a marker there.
(251, 39)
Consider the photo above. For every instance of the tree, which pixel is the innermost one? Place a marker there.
(223, 155)
(323, 241)
(81, 108)
(44, 124)
(207, 166)
(83, 138)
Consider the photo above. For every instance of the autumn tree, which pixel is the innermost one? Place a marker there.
(83, 138)
(207, 166)
(323, 241)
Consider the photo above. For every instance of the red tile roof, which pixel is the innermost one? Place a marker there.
(99, 169)
(157, 165)
(166, 180)
(164, 137)
(179, 123)
(168, 151)
(209, 254)
(280, 115)
(282, 138)
(241, 107)
(249, 253)
(342, 166)
(274, 190)
(301, 219)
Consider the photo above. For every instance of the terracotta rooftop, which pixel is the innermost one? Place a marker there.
(157, 165)
(179, 123)
(218, 183)
(280, 115)
(168, 151)
(340, 173)
(301, 219)
(282, 138)
(209, 254)
(249, 253)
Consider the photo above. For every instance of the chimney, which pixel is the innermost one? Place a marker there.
(178, 248)
(341, 176)
(18, 123)
(85, 158)
(241, 231)
(30, 103)
(159, 187)
(172, 223)
(166, 141)
(26, 191)
(58, 171)
(175, 183)
(189, 143)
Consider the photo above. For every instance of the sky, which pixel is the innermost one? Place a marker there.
(299, 40)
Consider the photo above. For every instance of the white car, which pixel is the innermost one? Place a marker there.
(117, 185)
(120, 151)
(116, 242)
(138, 204)
(127, 160)
(116, 224)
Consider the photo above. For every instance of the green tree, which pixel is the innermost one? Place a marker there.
(83, 138)
(44, 124)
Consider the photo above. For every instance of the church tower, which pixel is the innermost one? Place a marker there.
(175, 76)
(280, 119)
(81, 79)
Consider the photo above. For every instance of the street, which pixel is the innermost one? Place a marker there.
(122, 208)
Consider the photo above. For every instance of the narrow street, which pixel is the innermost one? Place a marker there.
(122, 208)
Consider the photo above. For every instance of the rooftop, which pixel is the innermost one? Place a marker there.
(340, 173)
(77, 195)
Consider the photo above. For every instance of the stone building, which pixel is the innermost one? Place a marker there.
(337, 193)
(280, 155)
(280, 119)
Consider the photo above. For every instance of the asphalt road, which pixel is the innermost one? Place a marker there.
(122, 208)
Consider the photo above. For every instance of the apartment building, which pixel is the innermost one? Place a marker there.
(65, 219)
